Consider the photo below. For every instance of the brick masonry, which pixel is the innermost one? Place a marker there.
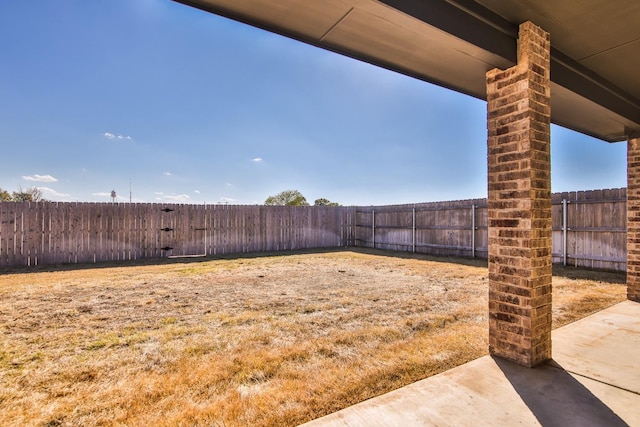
(518, 122)
(633, 219)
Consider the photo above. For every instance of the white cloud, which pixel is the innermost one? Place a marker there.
(50, 192)
(102, 194)
(158, 193)
(257, 159)
(196, 191)
(110, 135)
(180, 198)
(40, 178)
(226, 200)
(230, 185)
(167, 173)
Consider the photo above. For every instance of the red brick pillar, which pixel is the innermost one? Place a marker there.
(518, 121)
(633, 219)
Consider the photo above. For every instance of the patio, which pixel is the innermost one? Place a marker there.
(592, 380)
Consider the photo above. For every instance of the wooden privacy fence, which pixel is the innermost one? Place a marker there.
(51, 233)
(456, 228)
(589, 230)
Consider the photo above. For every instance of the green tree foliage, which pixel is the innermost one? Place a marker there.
(325, 202)
(287, 198)
(32, 194)
(4, 195)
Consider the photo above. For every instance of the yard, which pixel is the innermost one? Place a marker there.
(269, 340)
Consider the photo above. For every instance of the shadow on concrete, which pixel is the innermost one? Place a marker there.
(556, 398)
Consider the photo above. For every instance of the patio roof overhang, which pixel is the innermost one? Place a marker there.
(453, 43)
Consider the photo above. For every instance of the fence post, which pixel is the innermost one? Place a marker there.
(473, 230)
(414, 230)
(373, 227)
(564, 232)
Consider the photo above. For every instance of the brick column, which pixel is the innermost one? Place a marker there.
(633, 219)
(518, 121)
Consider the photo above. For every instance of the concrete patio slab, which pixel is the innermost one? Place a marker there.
(594, 380)
(604, 346)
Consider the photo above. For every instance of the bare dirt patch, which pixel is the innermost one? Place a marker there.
(266, 341)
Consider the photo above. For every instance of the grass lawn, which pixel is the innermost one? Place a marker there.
(271, 340)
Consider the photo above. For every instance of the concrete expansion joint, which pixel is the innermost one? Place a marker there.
(552, 364)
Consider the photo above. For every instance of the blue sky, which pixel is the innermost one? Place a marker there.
(189, 107)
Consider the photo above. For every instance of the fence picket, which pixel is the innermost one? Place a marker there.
(50, 232)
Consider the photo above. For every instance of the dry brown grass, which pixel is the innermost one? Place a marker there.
(263, 341)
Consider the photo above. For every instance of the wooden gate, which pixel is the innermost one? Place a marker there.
(183, 230)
